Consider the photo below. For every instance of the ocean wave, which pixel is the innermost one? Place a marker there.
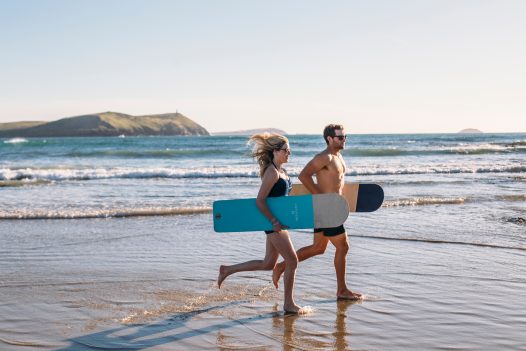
(379, 152)
(242, 171)
(512, 198)
(433, 241)
(461, 149)
(520, 144)
(424, 201)
(160, 153)
(479, 149)
(516, 220)
(23, 182)
(238, 151)
(519, 179)
(15, 141)
(106, 213)
(61, 174)
(437, 170)
(26, 343)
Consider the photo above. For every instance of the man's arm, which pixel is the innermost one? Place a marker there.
(311, 168)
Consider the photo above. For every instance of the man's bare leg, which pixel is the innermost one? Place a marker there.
(340, 258)
(318, 247)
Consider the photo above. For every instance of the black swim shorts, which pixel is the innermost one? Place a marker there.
(331, 231)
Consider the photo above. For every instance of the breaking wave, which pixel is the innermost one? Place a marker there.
(61, 174)
(97, 213)
(15, 141)
(461, 149)
(423, 201)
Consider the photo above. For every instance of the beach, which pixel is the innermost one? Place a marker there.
(107, 243)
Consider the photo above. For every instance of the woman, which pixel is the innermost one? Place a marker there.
(271, 151)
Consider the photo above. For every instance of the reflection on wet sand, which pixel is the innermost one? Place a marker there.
(300, 338)
(341, 333)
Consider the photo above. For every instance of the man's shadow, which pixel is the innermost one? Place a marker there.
(117, 338)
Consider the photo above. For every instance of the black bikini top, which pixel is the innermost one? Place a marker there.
(282, 186)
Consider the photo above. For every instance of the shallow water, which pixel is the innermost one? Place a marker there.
(106, 177)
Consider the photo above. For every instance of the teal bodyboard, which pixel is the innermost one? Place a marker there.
(242, 215)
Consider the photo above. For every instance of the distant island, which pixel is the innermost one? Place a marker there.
(470, 131)
(106, 124)
(248, 132)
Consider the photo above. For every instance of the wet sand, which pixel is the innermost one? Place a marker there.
(149, 283)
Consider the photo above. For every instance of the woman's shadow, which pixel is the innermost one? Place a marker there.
(139, 337)
(125, 337)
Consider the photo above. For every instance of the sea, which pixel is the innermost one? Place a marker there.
(108, 243)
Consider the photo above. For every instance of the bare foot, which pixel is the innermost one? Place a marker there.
(222, 276)
(349, 295)
(276, 274)
(293, 309)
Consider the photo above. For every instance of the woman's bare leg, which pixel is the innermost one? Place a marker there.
(268, 263)
(283, 245)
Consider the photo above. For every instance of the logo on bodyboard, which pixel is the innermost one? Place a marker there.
(295, 213)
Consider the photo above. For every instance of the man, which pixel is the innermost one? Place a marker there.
(329, 168)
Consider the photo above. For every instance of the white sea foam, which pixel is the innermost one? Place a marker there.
(98, 213)
(423, 201)
(480, 148)
(62, 174)
(15, 141)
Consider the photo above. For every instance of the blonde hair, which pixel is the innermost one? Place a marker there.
(263, 148)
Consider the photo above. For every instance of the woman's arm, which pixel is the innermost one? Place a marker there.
(270, 177)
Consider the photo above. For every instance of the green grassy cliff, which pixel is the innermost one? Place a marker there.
(18, 125)
(106, 124)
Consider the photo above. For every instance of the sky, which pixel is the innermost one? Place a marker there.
(376, 66)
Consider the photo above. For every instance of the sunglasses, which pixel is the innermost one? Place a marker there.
(287, 150)
(340, 137)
